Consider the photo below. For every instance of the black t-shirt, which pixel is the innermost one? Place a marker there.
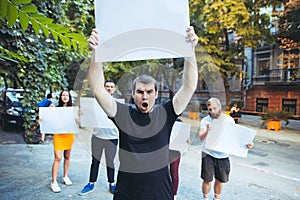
(144, 152)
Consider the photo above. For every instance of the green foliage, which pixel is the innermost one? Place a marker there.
(289, 56)
(275, 116)
(34, 61)
(116, 70)
(81, 15)
(32, 135)
(27, 14)
(216, 20)
(289, 21)
(12, 57)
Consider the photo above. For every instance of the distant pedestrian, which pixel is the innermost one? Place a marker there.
(46, 102)
(215, 164)
(235, 111)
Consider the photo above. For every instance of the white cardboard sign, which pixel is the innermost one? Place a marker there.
(142, 29)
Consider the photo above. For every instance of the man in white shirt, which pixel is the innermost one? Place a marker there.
(215, 164)
(103, 139)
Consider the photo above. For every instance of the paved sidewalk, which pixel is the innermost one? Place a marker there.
(25, 170)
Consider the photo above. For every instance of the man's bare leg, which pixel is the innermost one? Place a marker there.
(218, 186)
(205, 189)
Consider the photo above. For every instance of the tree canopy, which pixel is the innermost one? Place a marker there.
(40, 43)
(43, 43)
(225, 28)
(289, 23)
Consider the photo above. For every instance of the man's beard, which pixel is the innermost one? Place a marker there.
(216, 116)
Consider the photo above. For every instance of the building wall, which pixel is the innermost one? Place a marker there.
(275, 97)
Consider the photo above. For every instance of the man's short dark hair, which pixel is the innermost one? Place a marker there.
(144, 79)
(110, 81)
(49, 96)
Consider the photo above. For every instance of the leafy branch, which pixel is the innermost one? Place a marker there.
(11, 56)
(275, 116)
(26, 13)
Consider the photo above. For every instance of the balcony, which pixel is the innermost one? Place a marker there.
(283, 76)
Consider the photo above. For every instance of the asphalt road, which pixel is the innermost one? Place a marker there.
(270, 172)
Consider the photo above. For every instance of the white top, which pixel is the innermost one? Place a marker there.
(106, 133)
(203, 124)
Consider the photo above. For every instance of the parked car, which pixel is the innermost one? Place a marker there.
(11, 108)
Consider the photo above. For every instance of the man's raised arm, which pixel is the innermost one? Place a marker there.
(189, 77)
(96, 80)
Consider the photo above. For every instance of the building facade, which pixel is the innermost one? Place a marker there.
(274, 82)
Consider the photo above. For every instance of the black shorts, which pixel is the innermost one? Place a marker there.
(214, 167)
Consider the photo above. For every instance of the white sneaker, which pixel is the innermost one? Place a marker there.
(55, 187)
(67, 181)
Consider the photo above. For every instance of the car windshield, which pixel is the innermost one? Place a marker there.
(15, 96)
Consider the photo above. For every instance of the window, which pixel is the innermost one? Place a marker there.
(289, 105)
(263, 63)
(291, 58)
(262, 104)
(291, 63)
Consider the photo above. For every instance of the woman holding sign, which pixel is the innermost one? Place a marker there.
(62, 145)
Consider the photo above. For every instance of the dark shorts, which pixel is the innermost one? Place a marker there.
(214, 167)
